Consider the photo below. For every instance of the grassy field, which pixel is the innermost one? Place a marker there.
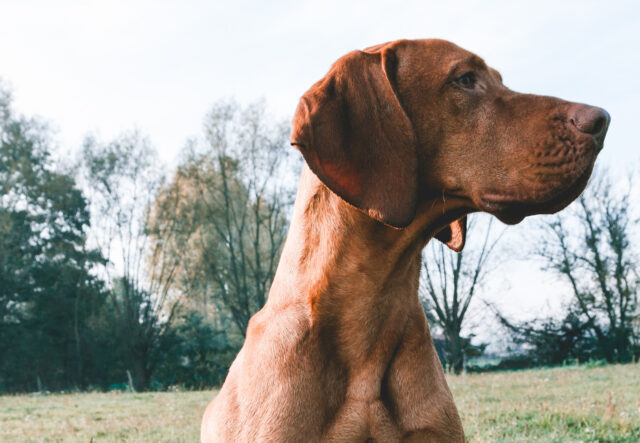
(572, 404)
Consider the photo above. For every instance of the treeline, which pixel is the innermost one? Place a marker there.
(113, 276)
(117, 275)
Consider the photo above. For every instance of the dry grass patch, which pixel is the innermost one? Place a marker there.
(103, 417)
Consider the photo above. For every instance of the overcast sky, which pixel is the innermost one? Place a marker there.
(108, 66)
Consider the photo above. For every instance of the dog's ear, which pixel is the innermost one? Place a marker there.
(356, 137)
(455, 234)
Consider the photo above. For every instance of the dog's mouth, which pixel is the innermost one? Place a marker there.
(512, 208)
(555, 175)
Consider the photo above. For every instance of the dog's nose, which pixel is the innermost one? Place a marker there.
(591, 120)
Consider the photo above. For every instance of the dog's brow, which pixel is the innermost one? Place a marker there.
(472, 61)
(477, 62)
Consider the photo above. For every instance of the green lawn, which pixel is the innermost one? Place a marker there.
(572, 404)
(549, 405)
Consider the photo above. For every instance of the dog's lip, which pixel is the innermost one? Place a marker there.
(497, 202)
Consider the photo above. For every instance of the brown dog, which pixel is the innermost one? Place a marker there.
(401, 140)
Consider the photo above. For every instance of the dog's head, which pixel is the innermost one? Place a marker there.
(404, 122)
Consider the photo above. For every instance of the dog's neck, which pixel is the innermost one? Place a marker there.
(349, 272)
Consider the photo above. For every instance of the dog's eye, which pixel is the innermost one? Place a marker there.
(467, 80)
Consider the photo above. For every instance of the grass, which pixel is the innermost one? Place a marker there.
(103, 417)
(570, 404)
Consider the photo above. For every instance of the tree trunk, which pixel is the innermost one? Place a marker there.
(456, 351)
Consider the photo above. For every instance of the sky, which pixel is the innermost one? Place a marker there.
(106, 67)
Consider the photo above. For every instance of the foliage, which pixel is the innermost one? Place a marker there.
(47, 293)
(122, 177)
(133, 278)
(199, 355)
(225, 215)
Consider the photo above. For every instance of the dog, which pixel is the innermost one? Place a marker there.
(401, 142)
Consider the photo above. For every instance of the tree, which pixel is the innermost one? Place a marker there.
(550, 341)
(198, 353)
(590, 248)
(122, 178)
(226, 211)
(47, 292)
(449, 283)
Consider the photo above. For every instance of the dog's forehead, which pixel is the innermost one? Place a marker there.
(444, 54)
(429, 54)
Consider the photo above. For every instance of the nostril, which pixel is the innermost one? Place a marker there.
(597, 126)
(590, 120)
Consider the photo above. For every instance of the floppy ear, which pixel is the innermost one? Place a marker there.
(356, 137)
(454, 235)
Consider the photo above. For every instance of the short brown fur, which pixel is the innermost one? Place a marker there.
(399, 146)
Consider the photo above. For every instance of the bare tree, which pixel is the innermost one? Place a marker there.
(590, 248)
(233, 197)
(449, 282)
(121, 179)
